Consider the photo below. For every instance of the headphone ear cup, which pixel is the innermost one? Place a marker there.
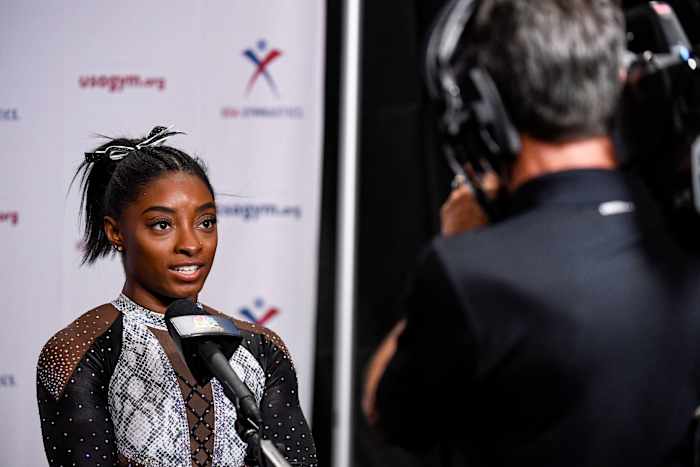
(494, 125)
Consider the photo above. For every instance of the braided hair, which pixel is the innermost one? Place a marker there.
(113, 174)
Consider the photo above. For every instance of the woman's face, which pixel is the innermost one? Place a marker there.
(168, 235)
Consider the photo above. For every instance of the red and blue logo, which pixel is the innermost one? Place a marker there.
(259, 313)
(262, 57)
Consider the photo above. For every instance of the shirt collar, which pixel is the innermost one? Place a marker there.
(141, 314)
(572, 187)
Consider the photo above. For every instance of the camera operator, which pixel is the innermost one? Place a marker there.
(566, 333)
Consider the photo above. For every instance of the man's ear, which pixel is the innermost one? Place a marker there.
(111, 228)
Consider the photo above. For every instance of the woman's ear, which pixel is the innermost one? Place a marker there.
(111, 228)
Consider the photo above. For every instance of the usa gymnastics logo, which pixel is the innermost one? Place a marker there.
(261, 59)
(261, 84)
(259, 313)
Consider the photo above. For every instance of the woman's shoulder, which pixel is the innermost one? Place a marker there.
(64, 350)
(255, 334)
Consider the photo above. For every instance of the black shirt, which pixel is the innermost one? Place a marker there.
(565, 335)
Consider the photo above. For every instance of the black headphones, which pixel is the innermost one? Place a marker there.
(474, 123)
(467, 92)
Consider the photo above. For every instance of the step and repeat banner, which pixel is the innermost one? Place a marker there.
(243, 79)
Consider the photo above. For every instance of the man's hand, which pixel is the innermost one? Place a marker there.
(375, 370)
(461, 212)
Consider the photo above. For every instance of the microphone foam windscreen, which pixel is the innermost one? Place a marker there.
(182, 307)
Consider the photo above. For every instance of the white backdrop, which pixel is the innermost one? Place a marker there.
(73, 69)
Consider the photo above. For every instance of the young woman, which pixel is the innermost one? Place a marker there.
(112, 389)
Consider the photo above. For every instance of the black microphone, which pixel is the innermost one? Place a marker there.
(206, 343)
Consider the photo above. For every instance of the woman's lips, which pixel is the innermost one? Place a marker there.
(187, 273)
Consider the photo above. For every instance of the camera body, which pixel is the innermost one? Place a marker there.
(658, 124)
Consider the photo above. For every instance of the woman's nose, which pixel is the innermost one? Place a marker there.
(188, 243)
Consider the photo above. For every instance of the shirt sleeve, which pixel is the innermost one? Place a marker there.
(283, 420)
(429, 376)
(76, 425)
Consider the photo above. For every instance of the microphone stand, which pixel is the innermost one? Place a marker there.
(249, 421)
(261, 451)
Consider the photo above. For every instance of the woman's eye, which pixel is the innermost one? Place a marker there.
(208, 223)
(161, 225)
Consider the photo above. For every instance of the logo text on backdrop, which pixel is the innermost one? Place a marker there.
(9, 115)
(117, 83)
(7, 380)
(254, 212)
(10, 217)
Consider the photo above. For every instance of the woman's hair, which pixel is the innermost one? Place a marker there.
(113, 174)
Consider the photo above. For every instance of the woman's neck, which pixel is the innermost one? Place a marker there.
(147, 299)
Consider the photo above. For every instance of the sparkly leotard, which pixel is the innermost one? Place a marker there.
(112, 390)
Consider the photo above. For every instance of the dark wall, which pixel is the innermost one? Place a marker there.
(397, 216)
(397, 198)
